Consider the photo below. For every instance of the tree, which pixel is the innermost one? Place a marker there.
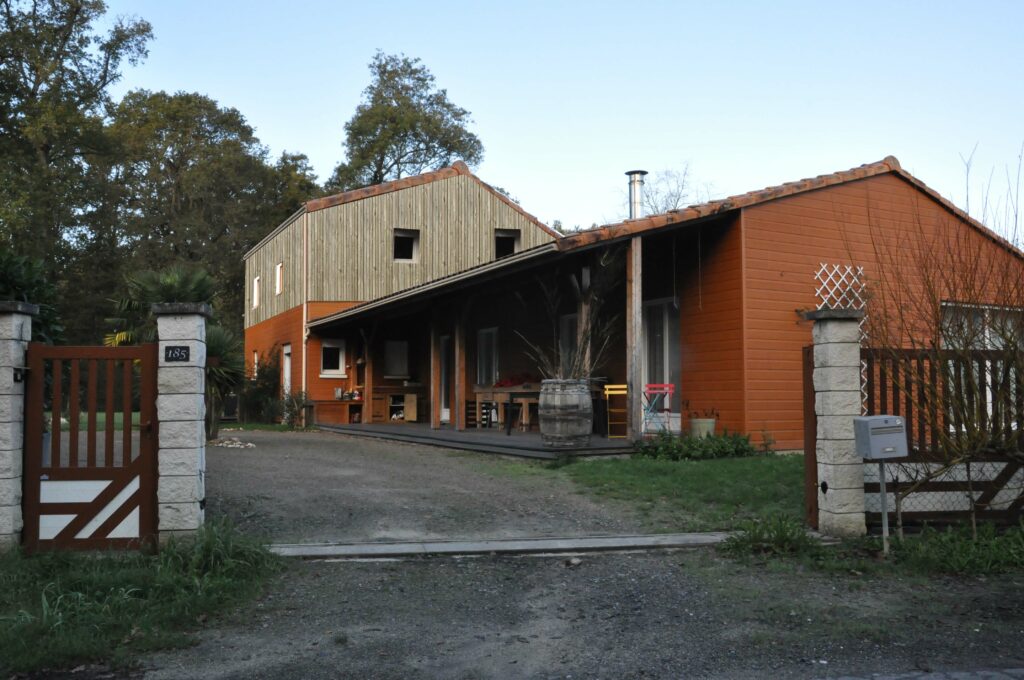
(404, 126)
(55, 71)
(666, 190)
(192, 183)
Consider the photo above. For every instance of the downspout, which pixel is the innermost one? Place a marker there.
(305, 297)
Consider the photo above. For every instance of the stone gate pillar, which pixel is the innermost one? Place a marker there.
(15, 332)
(181, 412)
(837, 401)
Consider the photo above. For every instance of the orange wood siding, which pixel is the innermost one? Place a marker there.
(866, 222)
(711, 320)
(272, 335)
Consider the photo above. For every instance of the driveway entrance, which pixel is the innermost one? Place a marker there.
(326, 487)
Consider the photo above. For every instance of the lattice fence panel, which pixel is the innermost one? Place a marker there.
(842, 286)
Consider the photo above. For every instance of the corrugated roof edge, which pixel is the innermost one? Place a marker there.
(889, 164)
(521, 256)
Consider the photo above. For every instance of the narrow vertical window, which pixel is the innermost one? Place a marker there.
(255, 363)
(278, 278)
(256, 292)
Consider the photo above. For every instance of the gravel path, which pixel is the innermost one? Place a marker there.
(313, 487)
(657, 615)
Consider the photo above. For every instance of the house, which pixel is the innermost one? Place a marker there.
(340, 251)
(710, 301)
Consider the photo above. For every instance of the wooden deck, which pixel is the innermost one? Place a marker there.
(492, 440)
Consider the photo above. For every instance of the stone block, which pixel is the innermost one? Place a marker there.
(10, 491)
(167, 536)
(12, 435)
(181, 327)
(182, 434)
(841, 500)
(10, 519)
(837, 379)
(842, 525)
(170, 407)
(15, 326)
(837, 354)
(172, 379)
(835, 427)
(837, 403)
(836, 330)
(197, 353)
(178, 489)
(12, 353)
(12, 408)
(9, 541)
(179, 516)
(840, 476)
(179, 461)
(7, 384)
(837, 452)
(11, 463)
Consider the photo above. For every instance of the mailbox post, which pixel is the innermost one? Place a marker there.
(881, 438)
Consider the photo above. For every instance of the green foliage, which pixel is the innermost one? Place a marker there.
(668, 446)
(62, 609)
(259, 398)
(955, 551)
(23, 279)
(770, 536)
(404, 126)
(176, 283)
(293, 409)
(697, 495)
(225, 371)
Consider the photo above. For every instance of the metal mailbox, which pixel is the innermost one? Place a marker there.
(880, 437)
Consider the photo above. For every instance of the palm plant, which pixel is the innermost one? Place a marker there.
(225, 370)
(179, 283)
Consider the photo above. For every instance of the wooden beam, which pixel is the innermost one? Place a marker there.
(367, 380)
(435, 373)
(634, 336)
(460, 371)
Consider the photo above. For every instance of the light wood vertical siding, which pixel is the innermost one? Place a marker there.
(286, 247)
(351, 256)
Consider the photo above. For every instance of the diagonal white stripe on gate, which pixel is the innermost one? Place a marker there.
(107, 511)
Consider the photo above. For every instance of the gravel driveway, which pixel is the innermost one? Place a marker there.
(319, 486)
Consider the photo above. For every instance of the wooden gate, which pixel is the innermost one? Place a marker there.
(810, 442)
(90, 476)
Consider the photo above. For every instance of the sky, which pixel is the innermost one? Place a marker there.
(567, 96)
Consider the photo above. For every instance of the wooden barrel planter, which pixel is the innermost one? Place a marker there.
(566, 413)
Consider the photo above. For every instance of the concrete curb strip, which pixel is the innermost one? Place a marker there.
(512, 546)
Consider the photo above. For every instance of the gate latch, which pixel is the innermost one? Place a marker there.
(19, 373)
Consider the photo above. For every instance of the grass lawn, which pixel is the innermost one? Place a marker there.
(58, 610)
(101, 421)
(702, 495)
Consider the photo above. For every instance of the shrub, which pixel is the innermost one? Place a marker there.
(293, 407)
(955, 551)
(777, 535)
(668, 446)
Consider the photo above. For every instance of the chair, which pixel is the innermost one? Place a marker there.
(657, 406)
(615, 413)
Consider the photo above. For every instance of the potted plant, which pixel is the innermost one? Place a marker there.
(565, 407)
(702, 422)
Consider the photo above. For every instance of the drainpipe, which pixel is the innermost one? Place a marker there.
(305, 297)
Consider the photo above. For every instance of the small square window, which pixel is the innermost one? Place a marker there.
(332, 359)
(506, 242)
(406, 245)
(396, 359)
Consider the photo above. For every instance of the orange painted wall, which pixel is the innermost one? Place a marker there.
(272, 335)
(711, 320)
(317, 388)
(785, 241)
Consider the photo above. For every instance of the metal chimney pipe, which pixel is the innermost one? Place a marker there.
(636, 192)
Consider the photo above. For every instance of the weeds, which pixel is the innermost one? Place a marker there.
(777, 535)
(60, 609)
(954, 551)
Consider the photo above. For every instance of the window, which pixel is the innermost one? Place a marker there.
(487, 356)
(407, 245)
(278, 278)
(568, 342)
(255, 363)
(332, 359)
(969, 326)
(506, 242)
(396, 359)
(256, 292)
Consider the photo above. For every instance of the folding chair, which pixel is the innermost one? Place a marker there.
(657, 406)
(615, 413)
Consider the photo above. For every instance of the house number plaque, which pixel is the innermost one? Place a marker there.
(177, 353)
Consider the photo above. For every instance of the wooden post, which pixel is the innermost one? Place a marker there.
(435, 374)
(368, 381)
(634, 336)
(460, 371)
